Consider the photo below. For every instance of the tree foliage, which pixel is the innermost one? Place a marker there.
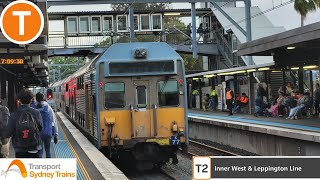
(303, 7)
(65, 71)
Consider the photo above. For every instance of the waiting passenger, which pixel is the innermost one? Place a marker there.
(317, 99)
(244, 100)
(277, 108)
(24, 126)
(4, 142)
(49, 126)
(302, 102)
(229, 100)
(213, 99)
(205, 103)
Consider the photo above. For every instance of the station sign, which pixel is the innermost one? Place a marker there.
(11, 61)
(21, 22)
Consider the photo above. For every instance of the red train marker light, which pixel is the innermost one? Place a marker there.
(101, 84)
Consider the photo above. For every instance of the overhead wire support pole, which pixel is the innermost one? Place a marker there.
(194, 31)
(248, 26)
(132, 35)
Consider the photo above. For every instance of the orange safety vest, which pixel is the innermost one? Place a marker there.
(244, 100)
(228, 95)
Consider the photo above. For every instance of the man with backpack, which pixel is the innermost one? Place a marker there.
(24, 127)
(4, 142)
(49, 126)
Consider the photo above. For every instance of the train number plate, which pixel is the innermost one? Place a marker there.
(174, 140)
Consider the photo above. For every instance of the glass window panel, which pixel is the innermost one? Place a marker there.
(114, 95)
(145, 22)
(156, 19)
(168, 93)
(122, 23)
(107, 23)
(136, 23)
(72, 24)
(84, 24)
(96, 24)
(141, 96)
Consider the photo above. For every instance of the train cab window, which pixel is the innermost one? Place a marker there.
(114, 95)
(141, 97)
(168, 93)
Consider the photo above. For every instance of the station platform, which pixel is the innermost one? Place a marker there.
(302, 129)
(91, 163)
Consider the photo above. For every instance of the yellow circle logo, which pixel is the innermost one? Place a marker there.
(21, 22)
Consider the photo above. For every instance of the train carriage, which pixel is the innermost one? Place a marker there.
(132, 97)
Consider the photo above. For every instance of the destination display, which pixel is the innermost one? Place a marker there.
(255, 167)
(11, 61)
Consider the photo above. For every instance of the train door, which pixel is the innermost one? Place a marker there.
(142, 119)
(75, 106)
(89, 109)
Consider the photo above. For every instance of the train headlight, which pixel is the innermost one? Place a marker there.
(181, 131)
(174, 127)
(140, 53)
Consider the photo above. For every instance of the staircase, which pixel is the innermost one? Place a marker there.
(228, 57)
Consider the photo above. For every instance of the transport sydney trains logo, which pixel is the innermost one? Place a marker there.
(16, 166)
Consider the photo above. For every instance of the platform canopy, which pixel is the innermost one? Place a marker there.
(296, 47)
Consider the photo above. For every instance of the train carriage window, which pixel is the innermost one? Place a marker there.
(114, 95)
(168, 93)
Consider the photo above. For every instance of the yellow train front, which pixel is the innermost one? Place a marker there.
(141, 92)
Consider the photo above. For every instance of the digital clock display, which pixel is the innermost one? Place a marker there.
(11, 61)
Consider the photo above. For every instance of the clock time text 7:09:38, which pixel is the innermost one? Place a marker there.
(11, 61)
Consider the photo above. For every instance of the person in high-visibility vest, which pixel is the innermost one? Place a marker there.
(243, 102)
(229, 99)
(213, 99)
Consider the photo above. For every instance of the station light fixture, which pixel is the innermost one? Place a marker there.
(238, 72)
(264, 69)
(310, 67)
(276, 71)
(294, 68)
(251, 70)
(172, 14)
(291, 47)
(195, 79)
(208, 76)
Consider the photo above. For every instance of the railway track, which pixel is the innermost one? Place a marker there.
(209, 150)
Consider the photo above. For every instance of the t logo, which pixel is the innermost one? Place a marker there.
(25, 134)
(21, 22)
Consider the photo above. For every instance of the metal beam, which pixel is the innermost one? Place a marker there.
(131, 19)
(82, 2)
(229, 18)
(194, 31)
(248, 26)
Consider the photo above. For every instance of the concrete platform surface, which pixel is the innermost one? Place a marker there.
(303, 129)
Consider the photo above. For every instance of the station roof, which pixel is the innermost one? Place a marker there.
(233, 71)
(299, 46)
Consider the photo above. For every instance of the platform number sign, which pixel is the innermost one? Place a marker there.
(201, 168)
